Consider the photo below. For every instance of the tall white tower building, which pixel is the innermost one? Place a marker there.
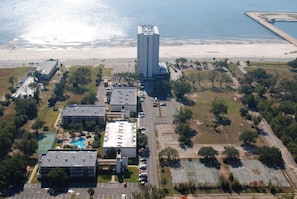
(148, 51)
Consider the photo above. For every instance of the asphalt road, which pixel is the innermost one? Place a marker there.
(149, 122)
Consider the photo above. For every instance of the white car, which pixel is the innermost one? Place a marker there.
(162, 104)
(143, 166)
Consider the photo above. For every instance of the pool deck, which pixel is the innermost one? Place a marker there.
(266, 19)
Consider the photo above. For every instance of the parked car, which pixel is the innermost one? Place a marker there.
(143, 166)
(125, 184)
(162, 104)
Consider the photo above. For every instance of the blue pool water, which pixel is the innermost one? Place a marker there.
(79, 143)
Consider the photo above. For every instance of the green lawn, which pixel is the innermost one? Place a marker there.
(203, 119)
(5, 73)
(274, 68)
(131, 175)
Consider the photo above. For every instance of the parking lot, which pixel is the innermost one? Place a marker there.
(102, 191)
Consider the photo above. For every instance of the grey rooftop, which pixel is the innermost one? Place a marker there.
(84, 110)
(69, 158)
(123, 96)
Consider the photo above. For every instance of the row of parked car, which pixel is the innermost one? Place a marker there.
(142, 171)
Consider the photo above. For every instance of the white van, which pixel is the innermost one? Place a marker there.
(124, 196)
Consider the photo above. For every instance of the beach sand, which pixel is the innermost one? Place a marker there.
(13, 56)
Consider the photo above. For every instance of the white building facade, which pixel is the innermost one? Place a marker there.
(148, 51)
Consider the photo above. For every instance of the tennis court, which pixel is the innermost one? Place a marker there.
(46, 140)
(195, 171)
(255, 171)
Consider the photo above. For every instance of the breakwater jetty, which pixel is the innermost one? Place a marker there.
(267, 19)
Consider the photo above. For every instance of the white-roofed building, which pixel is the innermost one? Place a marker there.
(123, 98)
(76, 163)
(120, 135)
(47, 69)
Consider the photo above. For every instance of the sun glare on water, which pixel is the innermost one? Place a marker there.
(72, 22)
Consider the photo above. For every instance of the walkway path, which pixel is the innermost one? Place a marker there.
(33, 173)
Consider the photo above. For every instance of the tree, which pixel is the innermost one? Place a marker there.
(141, 140)
(7, 96)
(57, 177)
(208, 152)
(184, 131)
(231, 153)
(148, 191)
(11, 81)
(111, 153)
(91, 192)
(12, 171)
(212, 74)
(248, 137)
(90, 98)
(26, 107)
(219, 107)
(81, 76)
(183, 116)
(293, 64)
(270, 156)
(37, 124)
(27, 144)
(200, 78)
(192, 77)
(180, 88)
(169, 155)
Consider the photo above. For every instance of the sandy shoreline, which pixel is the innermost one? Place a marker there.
(12, 55)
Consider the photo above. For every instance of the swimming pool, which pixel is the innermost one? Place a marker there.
(79, 143)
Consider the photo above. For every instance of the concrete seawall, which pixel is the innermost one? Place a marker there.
(265, 19)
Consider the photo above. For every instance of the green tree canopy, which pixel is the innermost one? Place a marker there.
(148, 191)
(26, 107)
(57, 177)
(168, 155)
(181, 88)
(208, 152)
(183, 116)
(219, 107)
(270, 156)
(248, 137)
(12, 171)
(38, 124)
(27, 144)
(81, 76)
(231, 153)
(293, 63)
(90, 98)
(141, 140)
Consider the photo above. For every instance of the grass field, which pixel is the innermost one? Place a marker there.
(274, 68)
(203, 119)
(5, 73)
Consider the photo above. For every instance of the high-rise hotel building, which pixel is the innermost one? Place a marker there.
(148, 51)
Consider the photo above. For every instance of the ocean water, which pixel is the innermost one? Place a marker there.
(75, 22)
